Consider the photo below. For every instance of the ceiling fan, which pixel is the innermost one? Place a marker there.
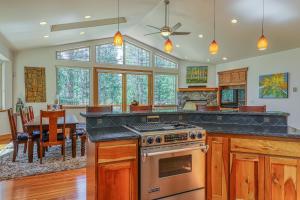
(166, 30)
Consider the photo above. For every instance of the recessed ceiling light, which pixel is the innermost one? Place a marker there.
(87, 17)
(224, 58)
(43, 23)
(177, 45)
(234, 21)
(82, 33)
(46, 36)
(200, 36)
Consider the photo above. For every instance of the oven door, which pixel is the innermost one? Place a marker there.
(172, 169)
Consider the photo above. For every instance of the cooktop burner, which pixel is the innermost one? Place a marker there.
(145, 127)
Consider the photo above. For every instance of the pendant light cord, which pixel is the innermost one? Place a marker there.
(118, 15)
(214, 19)
(166, 13)
(263, 18)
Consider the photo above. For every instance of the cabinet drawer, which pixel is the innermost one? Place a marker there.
(117, 152)
(269, 147)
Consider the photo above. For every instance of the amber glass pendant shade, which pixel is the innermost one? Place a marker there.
(262, 43)
(168, 46)
(213, 47)
(118, 39)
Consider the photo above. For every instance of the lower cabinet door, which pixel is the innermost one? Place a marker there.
(117, 181)
(217, 168)
(246, 177)
(282, 180)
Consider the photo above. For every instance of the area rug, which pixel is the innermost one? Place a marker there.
(52, 162)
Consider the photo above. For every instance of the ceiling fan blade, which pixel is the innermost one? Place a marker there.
(87, 24)
(180, 33)
(176, 26)
(153, 27)
(152, 33)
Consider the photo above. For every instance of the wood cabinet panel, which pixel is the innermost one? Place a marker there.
(282, 178)
(117, 181)
(217, 168)
(233, 77)
(116, 152)
(269, 147)
(246, 176)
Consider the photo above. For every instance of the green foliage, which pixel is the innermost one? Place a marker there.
(81, 54)
(163, 62)
(165, 89)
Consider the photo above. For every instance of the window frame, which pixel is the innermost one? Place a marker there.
(166, 58)
(124, 73)
(90, 86)
(1, 85)
(176, 88)
(75, 48)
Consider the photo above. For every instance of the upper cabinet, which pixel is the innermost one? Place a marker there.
(233, 77)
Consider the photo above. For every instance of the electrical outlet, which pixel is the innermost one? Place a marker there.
(295, 89)
(219, 118)
(99, 121)
(267, 119)
(180, 117)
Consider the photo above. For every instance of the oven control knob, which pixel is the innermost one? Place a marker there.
(150, 140)
(158, 139)
(193, 136)
(199, 135)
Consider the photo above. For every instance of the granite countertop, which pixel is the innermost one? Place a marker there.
(110, 134)
(170, 112)
(270, 131)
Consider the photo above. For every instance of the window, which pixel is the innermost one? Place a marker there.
(136, 56)
(164, 62)
(109, 54)
(165, 89)
(137, 88)
(81, 54)
(73, 85)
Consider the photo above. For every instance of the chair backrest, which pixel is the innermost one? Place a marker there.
(53, 117)
(99, 108)
(253, 108)
(142, 108)
(51, 107)
(207, 108)
(24, 118)
(31, 113)
(12, 123)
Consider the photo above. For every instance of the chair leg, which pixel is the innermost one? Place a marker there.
(25, 147)
(83, 139)
(38, 149)
(41, 153)
(15, 151)
(63, 151)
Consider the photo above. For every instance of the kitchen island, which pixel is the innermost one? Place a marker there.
(245, 150)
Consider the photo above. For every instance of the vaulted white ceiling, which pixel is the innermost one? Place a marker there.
(19, 23)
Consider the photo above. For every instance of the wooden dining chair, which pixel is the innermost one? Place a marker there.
(52, 107)
(140, 108)
(99, 108)
(52, 136)
(17, 137)
(200, 107)
(30, 113)
(253, 108)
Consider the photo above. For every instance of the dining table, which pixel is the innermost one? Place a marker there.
(34, 125)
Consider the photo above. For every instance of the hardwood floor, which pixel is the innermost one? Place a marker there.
(69, 185)
(4, 140)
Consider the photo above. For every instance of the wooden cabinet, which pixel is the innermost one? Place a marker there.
(282, 178)
(246, 176)
(217, 168)
(257, 169)
(233, 77)
(112, 171)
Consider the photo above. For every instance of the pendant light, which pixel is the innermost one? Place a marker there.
(168, 46)
(118, 38)
(262, 43)
(214, 47)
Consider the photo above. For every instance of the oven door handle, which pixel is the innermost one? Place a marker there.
(204, 149)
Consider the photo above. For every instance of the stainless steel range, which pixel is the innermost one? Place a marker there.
(172, 161)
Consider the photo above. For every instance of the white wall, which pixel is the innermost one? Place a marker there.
(211, 79)
(6, 54)
(285, 61)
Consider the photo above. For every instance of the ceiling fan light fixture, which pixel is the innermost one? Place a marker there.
(213, 47)
(262, 43)
(165, 33)
(168, 46)
(118, 39)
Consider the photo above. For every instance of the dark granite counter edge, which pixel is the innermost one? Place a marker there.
(116, 114)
